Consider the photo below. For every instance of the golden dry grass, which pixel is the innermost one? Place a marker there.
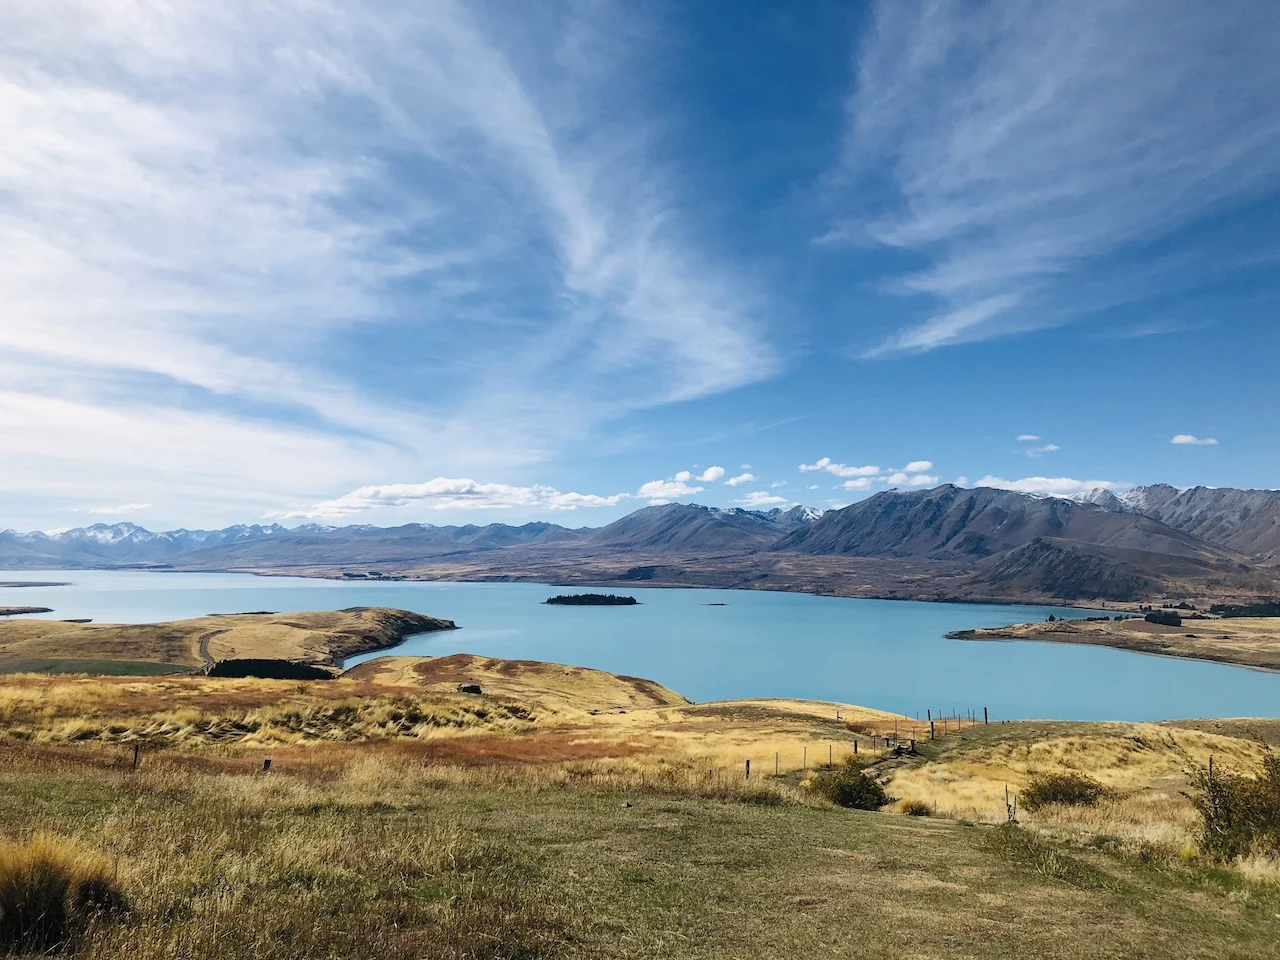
(1143, 766)
(547, 687)
(316, 637)
(1248, 641)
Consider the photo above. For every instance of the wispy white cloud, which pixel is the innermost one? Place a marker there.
(759, 498)
(264, 215)
(1049, 486)
(119, 511)
(1024, 140)
(1187, 439)
(740, 479)
(445, 493)
(1041, 450)
(1027, 437)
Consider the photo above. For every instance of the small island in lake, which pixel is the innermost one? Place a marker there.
(593, 600)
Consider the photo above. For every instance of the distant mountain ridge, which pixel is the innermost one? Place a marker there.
(671, 526)
(983, 542)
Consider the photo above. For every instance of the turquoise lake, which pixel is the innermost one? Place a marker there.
(888, 654)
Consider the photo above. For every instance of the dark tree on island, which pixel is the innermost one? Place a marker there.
(593, 600)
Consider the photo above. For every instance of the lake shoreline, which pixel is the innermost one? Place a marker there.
(1171, 642)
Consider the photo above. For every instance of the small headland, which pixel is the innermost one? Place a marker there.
(315, 639)
(1245, 640)
(19, 611)
(592, 600)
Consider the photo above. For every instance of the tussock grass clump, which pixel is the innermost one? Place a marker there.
(1240, 814)
(1046, 858)
(848, 786)
(915, 808)
(1069, 789)
(51, 890)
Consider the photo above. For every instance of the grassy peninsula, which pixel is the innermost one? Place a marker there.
(1245, 641)
(316, 638)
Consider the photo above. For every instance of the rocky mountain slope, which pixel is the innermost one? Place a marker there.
(951, 521)
(1246, 521)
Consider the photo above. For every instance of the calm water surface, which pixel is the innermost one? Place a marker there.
(882, 653)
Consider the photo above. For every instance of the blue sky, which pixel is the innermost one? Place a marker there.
(376, 262)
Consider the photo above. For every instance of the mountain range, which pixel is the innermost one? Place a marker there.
(983, 543)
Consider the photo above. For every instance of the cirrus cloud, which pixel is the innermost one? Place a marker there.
(1190, 440)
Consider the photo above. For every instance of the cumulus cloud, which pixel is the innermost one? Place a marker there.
(1028, 437)
(740, 479)
(918, 466)
(1187, 439)
(859, 483)
(711, 474)
(445, 493)
(1049, 486)
(121, 510)
(759, 498)
(664, 491)
(838, 469)
(904, 479)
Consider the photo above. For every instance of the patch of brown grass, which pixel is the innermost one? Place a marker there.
(51, 890)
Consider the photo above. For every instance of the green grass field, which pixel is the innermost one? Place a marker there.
(392, 859)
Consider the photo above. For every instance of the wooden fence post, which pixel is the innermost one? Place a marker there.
(775, 764)
(748, 777)
(136, 748)
(984, 716)
(266, 765)
(931, 736)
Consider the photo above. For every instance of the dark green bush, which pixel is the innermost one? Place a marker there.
(1164, 617)
(1239, 814)
(848, 786)
(1070, 789)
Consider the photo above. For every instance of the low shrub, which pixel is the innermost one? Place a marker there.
(916, 808)
(1240, 815)
(848, 786)
(1166, 618)
(1069, 789)
(51, 889)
